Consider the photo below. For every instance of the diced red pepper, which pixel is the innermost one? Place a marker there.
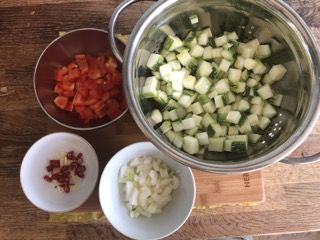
(105, 97)
(94, 86)
(84, 92)
(68, 93)
(81, 60)
(97, 92)
(101, 65)
(73, 74)
(102, 113)
(90, 84)
(113, 103)
(69, 107)
(113, 112)
(111, 64)
(68, 86)
(98, 106)
(91, 101)
(86, 115)
(78, 100)
(60, 73)
(72, 66)
(93, 71)
(116, 78)
(61, 102)
(58, 88)
(114, 92)
(79, 108)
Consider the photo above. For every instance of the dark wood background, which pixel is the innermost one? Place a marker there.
(26, 27)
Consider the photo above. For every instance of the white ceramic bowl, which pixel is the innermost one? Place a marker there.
(42, 193)
(160, 225)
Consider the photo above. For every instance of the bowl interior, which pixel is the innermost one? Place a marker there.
(42, 193)
(250, 19)
(60, 53)
(159, 225)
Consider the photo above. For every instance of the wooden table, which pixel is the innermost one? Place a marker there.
(26, 27)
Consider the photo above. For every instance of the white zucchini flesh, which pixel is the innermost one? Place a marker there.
(248, 52)
(216, 52)
(239, 62)
(265, 92)
(216, 144)
(277, 72)
(234, 75)
(190, 145)
(175, 65)
(156, 116)
(233, 36)
(170, 56)
(263, 51)
(196, 51)
(264, 123)
(188, 123)
(204, 69)
(225, 65)
(184, 58)
(176, 78)
(220, 41)
(233, 117)
(148, 184)
(207, 53)
(254, 138)
(150, 87)
(172, 43)
(154, 61)
(218, 93)
(203, 85)
(203, 138)
(222, 86)
(177, 126)
(253, 119)
(165, 71)
(250, 63)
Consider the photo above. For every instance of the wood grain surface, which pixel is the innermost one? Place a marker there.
(26, 27)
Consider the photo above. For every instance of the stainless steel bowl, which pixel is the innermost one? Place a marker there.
(270, 21)
(58, 53)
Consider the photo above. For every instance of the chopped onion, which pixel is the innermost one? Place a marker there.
(148, 184)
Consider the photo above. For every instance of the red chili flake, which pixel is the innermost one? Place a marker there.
(50, 168)
(79, 156)
(62, 174)
(55, 163)
(47, 178)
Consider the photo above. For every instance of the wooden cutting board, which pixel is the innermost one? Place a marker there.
(212, 189)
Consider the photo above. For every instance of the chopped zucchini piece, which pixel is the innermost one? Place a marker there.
(156, 116)
(216, 144)
(155, 61)
(264, 123)
(190, 145)
(172, 43)
(203, 85)
(188, 123)
(203, 138)
(233, 117)
(265, 92)
(165, 127)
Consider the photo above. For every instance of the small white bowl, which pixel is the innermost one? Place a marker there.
(160, 225)
(43, 194)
